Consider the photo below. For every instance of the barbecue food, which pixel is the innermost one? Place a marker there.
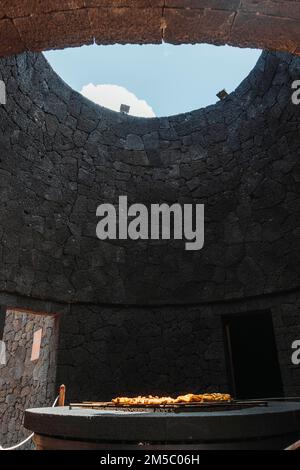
(156, 401)
(216, 397)
(189, 398)
(150, 400)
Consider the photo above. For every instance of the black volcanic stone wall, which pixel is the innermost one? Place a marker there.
(114, 351)
(170, 350)
(146, 316)
(61, 156)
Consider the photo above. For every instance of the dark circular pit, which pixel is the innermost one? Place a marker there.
(271, 427)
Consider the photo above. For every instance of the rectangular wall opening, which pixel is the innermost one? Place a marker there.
(252, 358)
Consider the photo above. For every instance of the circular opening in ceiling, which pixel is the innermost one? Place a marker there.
(153, 80)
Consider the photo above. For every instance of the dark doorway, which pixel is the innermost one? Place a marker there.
(252, 356)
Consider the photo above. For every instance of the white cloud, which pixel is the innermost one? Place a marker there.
(112, 96)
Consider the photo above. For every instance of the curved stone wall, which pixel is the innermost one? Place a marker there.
(148, 316)
(61, 156)
(124, 351)
(36, 26)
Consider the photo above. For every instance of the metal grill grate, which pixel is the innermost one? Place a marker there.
(175, 408)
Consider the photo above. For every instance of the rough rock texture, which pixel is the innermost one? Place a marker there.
(25, 383)
(62, 156)
(115, 351)
(146, 316)
(35, 25)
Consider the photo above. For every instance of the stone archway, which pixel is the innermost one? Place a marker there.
(34, 26)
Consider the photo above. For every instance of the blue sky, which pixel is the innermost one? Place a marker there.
(171, 79)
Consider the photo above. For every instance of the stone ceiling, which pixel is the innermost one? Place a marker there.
(37, 25)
